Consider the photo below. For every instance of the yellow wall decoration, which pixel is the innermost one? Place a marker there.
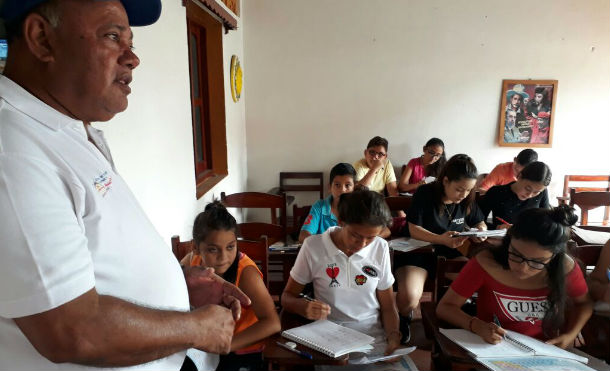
(236, 78)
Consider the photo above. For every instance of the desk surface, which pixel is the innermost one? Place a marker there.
(461, 359)
(277, 355)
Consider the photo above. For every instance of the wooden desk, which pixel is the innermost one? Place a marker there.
(447, 355)
(275, 355)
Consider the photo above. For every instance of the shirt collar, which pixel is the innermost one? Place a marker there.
(29, 105)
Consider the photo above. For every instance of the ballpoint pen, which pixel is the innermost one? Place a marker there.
(502, 220)
(292, 349)
(306, 297)
(497, 322)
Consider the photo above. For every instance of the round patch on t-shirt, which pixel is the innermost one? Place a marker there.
(369, 271)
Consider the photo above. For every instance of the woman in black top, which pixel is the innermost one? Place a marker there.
(529, 191)
(439, 210)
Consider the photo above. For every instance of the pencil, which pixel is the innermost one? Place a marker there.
(502, 220)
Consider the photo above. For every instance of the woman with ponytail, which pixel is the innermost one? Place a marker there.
(526, 282)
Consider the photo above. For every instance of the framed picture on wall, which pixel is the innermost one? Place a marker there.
(527, 112)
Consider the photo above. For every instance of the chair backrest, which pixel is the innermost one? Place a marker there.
(258, 200)
(298, 216)
(588, 200)
(587, 254)
(181, 248)
(258, 251)
(585, 178)
(316, 182)
(256, 230)
(446, 272)
(397, 203)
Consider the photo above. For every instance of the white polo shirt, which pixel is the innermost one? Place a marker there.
(69, 223)
(347, 284)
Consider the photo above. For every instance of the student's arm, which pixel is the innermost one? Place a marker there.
(389, 319)
(420, 233)
(392, 188)
(449, 309)
(367, 179)
(268, 322)
(579, 315)
(490, 180)
(404, 185)
(599, 287)
(104, 331)
(303, 235)
(291, 302)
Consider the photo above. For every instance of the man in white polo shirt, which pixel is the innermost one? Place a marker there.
(85, 279)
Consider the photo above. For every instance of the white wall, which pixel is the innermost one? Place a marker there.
(152, 142)
(323, 77)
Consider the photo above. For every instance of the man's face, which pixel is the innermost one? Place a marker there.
(93, 60)
(515, 100)
(538, 98)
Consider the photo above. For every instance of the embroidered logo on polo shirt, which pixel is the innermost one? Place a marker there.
(369, 271)
(522, 308)
(103, 183)
(360, 279)
(333, 271)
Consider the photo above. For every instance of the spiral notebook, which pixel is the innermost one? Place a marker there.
(514, 345)
(329, 338)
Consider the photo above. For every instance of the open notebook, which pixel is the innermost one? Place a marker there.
(515, 345)
(329, 338)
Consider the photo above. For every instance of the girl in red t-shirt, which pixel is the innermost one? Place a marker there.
(525, 282)
(418, 168)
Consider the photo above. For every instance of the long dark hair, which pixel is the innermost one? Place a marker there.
(215, 217)
(435, 168)
(549, 228)
(537, 172)
(457, 168)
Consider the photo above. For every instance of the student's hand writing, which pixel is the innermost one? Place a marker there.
(503, 226)
(452, 242)
(563, 341)
(488, 331)
(205, 287)
(315, 310)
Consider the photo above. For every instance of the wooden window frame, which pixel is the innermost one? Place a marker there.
(211, 101)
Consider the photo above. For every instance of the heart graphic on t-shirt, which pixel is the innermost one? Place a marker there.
(332, 272)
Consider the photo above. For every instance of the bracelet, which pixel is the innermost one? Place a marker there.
(470, 323)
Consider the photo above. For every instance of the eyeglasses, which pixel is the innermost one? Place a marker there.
(376, 154)
(434, 154)
(514, 256)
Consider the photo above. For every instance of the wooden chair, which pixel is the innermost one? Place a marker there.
(258, 251)
(568, 184)
(299, 214)
(181, 248)
(315, 183)
(259, 200)
(446, 272)
(255, 230)
(588, 200)
(316, 180)
(397, 203)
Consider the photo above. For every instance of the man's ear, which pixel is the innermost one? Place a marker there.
(37, 33)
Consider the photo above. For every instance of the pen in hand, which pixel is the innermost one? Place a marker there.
(306, 297)
(502, 220)
(497, 322)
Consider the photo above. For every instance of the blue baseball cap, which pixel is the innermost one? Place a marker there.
(139, 12)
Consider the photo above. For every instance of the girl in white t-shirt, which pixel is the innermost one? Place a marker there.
(349, 266)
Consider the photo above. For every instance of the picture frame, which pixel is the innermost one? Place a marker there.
(527, 113)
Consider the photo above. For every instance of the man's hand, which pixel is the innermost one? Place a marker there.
(217, 326)
(377, 164)
(205, 287)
